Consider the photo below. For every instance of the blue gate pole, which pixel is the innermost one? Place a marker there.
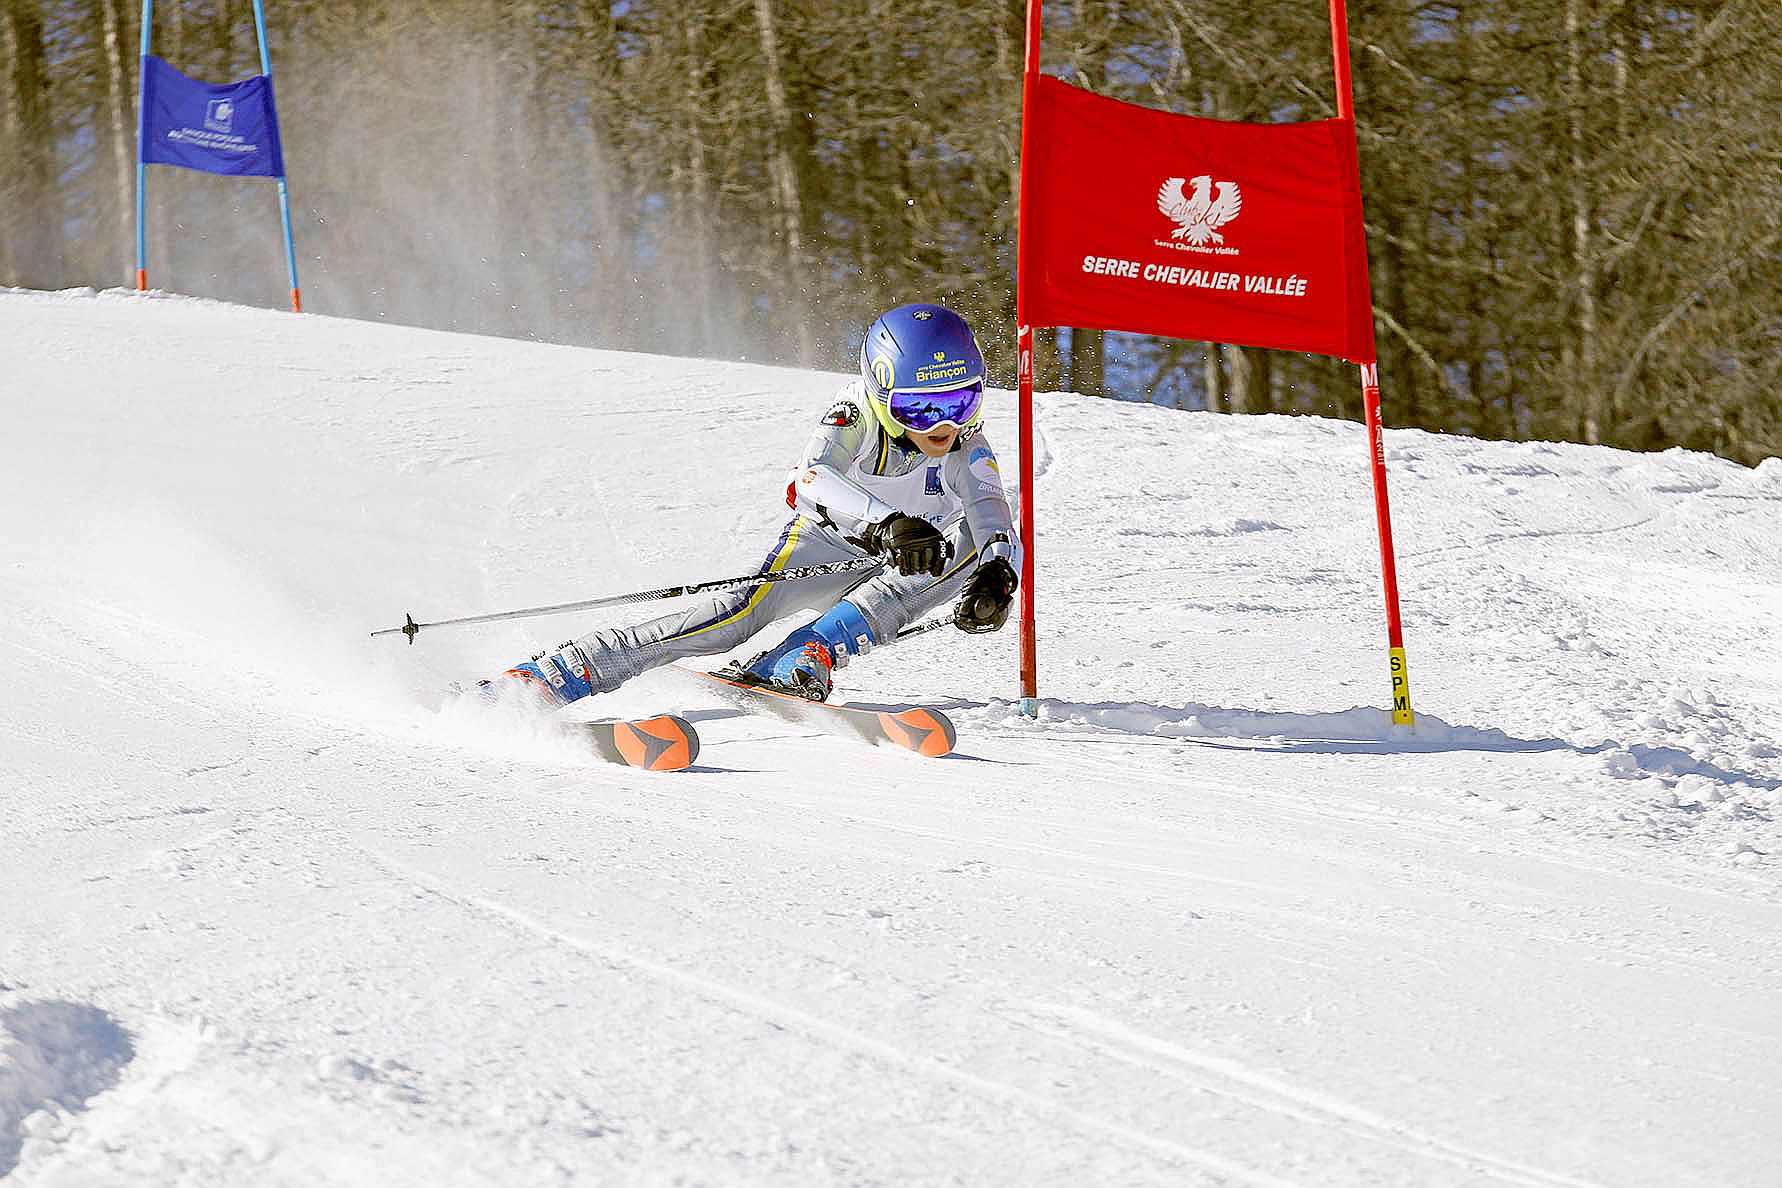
(148, 20)
(284, 194)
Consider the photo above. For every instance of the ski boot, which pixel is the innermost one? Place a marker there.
(550, 680)
(804, 663)
(811, 674)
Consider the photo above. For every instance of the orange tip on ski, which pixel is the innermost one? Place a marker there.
(665, 743)
(920, 730)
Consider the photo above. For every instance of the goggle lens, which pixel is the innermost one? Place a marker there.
(922, 411)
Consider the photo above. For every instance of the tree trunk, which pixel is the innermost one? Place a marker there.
(697, 201)
(1373, 84)
(866, 227)
(118, 110)
(514, 232)
(225, 41)
(1262, 386)
(1213, 377)
(1087, 362)
(1048, 370)
(785, 183)
(613, 226)
(1584, 379)
(1011, 70)
(1399, 361)
(1240, 378)
(1010, 73)
(27, 195)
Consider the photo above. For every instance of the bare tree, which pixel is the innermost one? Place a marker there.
(119, 126)
(788, 194)
(28, 199)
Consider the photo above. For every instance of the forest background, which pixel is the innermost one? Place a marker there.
(1574, 207)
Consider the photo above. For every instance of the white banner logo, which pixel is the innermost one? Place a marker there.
(1199, 215)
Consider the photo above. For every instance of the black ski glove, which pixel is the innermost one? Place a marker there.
(984, 603)
(913, 545)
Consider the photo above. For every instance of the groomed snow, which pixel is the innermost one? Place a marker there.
(271, 918)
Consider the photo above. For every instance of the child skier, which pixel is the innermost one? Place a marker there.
(898, 469)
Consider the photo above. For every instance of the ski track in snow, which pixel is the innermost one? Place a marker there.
(1104, 1035)
(1209, 920)
(782, 1015)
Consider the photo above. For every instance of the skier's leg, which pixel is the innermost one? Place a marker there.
(804, 659)
(601, 661)
(873, 613)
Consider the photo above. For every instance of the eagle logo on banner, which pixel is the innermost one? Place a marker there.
(1199, 215)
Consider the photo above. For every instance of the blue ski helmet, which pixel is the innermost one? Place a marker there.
(922, 369)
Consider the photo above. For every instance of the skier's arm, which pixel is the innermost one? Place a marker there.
(822, 489)
(985, 599)
(820, 485)
(979, 483)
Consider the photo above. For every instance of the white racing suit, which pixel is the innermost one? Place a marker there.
(853, 475)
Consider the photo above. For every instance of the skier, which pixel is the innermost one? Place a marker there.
(899, 469)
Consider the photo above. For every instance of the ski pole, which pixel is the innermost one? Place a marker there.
(922, 628)
(412, 628)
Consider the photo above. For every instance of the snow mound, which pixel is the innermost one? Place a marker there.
(54, 1058)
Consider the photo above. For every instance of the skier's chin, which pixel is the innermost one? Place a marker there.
(937, 443)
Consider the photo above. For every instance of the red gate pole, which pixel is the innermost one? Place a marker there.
(1024, 349)
(1376, 436)
(1029, 626)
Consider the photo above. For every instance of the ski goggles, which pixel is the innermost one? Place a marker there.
(920, 412)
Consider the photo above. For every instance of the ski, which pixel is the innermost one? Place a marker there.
(918, 728)
(663, 743)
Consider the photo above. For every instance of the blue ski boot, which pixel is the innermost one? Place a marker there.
(805, 660)
(553, 679)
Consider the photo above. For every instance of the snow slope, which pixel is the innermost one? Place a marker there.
(271, 920)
